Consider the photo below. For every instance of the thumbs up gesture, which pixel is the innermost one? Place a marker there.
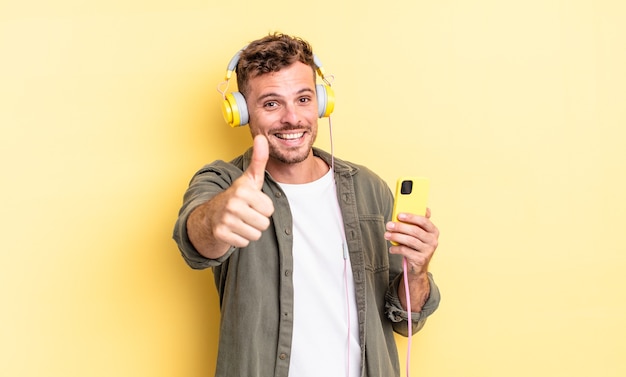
(239, 214)
(260, 155)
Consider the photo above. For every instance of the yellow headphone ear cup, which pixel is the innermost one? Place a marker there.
(235, 110)
(227, 111)
(325, 100)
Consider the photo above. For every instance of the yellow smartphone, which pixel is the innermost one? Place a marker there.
(411, 196)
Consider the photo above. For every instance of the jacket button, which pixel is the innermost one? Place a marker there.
(282, 356)
(287, 231)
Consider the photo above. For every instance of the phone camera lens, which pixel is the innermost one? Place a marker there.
(406, 188)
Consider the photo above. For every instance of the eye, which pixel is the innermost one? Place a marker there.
(304, 100)
(270, 104)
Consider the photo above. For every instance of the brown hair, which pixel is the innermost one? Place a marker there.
(271, 54)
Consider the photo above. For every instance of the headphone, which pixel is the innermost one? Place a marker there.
(235, 109)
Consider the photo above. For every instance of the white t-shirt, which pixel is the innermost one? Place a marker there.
(322, 302)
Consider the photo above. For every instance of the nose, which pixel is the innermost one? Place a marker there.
(290, 114)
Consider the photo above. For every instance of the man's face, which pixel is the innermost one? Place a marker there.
(283, 107)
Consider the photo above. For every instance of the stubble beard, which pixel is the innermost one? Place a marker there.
(292, 155)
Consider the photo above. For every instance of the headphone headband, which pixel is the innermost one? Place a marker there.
(232, 64)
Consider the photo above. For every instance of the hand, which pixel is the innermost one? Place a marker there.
(417, 238)
(241, 213)
(238, 215)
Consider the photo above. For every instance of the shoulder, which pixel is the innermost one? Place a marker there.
(363, 175)
(345, 167)
(364, 178)
(220, 170)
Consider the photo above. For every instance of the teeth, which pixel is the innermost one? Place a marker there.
(290, 136)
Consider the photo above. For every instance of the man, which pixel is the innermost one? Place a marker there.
(308, 280)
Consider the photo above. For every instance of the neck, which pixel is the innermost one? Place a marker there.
(309, 170)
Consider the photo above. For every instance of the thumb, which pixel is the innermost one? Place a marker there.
(260, 155)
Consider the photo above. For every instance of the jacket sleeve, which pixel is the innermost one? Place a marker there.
(205, 184)
(399, 317)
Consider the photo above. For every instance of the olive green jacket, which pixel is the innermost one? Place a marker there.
(255, 286)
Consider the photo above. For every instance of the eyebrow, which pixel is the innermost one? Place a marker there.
(273, 94)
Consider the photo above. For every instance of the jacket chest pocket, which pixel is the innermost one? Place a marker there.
(375, 252)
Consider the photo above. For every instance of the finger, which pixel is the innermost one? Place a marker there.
(263, 204)
(260, 155)
(407, 234)
(241, 222)
(421, 221)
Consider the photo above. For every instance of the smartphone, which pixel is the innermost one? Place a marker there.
(411, 196)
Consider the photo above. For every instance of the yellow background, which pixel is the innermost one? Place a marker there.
(516, 111)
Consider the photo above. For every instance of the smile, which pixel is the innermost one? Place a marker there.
(291, 136)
